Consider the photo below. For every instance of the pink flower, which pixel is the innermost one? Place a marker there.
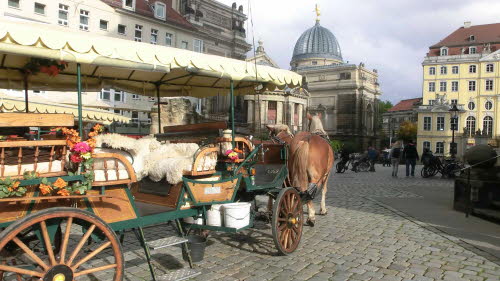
(81, 147)
(228, 151)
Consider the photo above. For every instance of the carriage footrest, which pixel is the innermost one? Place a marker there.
(178, 275)
(165, 242)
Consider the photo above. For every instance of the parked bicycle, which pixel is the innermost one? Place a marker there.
(343, 165)
(450, 168)
(360, 163)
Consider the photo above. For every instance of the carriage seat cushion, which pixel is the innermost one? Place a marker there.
(101, 166)
(100, 175)
(41, 167)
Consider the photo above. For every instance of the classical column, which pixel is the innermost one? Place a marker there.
(279, 112)
(292, 113)
(250, 113)
(301, 109)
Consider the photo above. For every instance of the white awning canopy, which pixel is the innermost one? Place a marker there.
(126, 65)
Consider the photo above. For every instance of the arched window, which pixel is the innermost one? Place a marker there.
(488, 105)
(471, 105)
(488, 125)
(470, 124)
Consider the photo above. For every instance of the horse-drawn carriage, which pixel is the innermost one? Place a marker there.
(50, 214)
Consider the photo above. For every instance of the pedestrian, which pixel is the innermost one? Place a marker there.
(410, 155)
(395, 156)
(372, 157)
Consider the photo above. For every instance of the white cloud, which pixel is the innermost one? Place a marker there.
(392, 36)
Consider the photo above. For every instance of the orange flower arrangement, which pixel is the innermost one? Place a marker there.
(63, 192)
(60, 183)
(14, 186)
(45, 189)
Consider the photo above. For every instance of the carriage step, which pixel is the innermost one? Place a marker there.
(178, 275)
(165, 242)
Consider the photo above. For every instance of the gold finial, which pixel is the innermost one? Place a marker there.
(318, 12)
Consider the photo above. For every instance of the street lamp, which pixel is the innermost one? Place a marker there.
(454, 125)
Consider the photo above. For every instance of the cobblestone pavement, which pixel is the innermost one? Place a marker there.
(359, 239)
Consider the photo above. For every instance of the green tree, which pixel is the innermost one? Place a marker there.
(407, 131)
(383, 106)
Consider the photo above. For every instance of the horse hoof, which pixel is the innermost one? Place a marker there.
(323, 213)
(310, 222)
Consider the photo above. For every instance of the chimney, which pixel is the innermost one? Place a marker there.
(467, 24)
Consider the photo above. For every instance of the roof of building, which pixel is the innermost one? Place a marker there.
(485, 33)
(317, 42)
(405, 105)
(143, 7)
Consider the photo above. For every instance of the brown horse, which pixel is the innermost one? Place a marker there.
(310, 161)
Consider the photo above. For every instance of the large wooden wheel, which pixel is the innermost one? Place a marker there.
(38, 257)
(287, 220)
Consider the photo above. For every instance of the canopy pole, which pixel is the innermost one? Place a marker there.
(232, 113)
(79, 88)
(159, 107)
(26, 92)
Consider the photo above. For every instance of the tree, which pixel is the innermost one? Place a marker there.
(383, 106)
(407, 131)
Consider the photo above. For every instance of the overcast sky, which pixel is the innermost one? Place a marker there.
(392, 36)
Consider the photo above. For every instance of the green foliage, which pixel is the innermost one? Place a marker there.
(11, 188)
(336, 145)
(383, 106)
(407, 131)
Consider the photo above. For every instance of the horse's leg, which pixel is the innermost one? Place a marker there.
(311, 212)
(322, 210)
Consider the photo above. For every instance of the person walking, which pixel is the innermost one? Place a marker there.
(372, 156)
(410, 155)
(395, 156)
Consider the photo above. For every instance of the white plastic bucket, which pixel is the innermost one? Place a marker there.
(191, 220)
(237, 215)
(214, 215)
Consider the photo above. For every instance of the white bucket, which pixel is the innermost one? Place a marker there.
(214, 215)
(191, 220)
(237, 215)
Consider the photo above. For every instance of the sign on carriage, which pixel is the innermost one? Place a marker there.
(212, 190)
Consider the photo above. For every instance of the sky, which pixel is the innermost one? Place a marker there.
(392, 36)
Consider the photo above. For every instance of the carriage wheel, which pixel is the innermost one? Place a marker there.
(287, 220)
(65, 265)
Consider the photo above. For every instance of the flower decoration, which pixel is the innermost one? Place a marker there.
(63, 192)
(11, 188)
(45, 189)
(50, 67)
(231, 154)
(60, 183)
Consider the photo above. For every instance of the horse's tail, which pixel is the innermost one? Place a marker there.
(299, 166)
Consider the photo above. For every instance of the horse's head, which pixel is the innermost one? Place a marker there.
(280, 133)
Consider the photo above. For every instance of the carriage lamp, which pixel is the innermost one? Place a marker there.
(453, 126)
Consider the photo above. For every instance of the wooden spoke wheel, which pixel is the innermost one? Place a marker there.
(59, 262)
(287, 220)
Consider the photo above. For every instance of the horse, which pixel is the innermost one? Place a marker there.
(309, 164)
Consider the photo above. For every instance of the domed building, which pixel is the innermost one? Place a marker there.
(346, 95)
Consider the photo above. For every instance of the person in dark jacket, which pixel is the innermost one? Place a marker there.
(410, 155)
(372, 156)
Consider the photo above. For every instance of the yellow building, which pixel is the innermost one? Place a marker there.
(462, 69)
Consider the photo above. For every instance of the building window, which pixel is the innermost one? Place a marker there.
(431, 102)
(488, 105)
(122, 29)
(314, 62)
(470, 124)
(440, 123)
(160, 10)
(39, 9)
(472, 85)
(154, 36)
(103, 25)
(454, 102)
(135, 117)
(198, 45)
(432, 86)
(184, 45)
(84, 20)
(444, 51)
(442, 86)
(427, 123)
(119, 96)
(135, 97)
(426, 145)
(489, 67)
(271, 112)
(454, 69)
(454, 86)
(471, 105)
(432, 70)
(105, 94)
(168, 39)
(14, 4)
(439, 147)
(345, 76)
(138, 33)
(129, 4)
(63, 15)
(489, 85)
(117, 111)
(472, 68)
(472, 38)
(472, 50)
(488, 125)
(443, 70)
